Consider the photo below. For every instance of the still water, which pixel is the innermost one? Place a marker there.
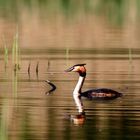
(28, 113)
(52, 36)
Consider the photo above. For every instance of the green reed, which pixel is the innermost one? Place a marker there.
(5, 54)
(16, 53)
(130, 59)
(130, 56)
(25, 126)
(4, 120)
(67, 55)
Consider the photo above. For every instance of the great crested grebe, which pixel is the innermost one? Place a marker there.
(101, 93)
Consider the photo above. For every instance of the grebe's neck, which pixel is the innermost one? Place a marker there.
(79, 84)
(77, 92)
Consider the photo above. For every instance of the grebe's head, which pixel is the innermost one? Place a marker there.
(78, 68)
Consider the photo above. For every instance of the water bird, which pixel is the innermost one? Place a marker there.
(98, 94)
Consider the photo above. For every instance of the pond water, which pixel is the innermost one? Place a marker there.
(28, 113)
(53, 36)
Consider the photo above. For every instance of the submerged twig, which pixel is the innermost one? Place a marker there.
(37, 69)
(52, 85)
(29, 67)
(37, 66)
(48, 65)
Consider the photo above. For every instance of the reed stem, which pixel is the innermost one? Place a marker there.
(16, 53)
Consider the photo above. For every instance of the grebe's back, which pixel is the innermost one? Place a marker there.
(101, 94)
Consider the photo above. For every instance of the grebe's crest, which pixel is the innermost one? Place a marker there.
(77, 68)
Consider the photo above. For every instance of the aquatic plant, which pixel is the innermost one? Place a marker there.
(130, 56)
(37, 66)
(67, 55)
(5, 54)
(29, 68)
(49, 63)
(130, 59)
(16, 53)
(37, 69)
(4, 121)
(25, 126)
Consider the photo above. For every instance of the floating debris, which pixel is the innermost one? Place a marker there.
(52, 85)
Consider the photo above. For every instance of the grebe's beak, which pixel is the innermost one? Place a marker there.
(70, 69)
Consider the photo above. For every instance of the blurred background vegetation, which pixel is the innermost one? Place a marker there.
(70, 23)
(115, 10)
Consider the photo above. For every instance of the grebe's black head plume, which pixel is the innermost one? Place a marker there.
(78, 68)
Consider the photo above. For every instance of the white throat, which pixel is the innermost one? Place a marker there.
(76, 94)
